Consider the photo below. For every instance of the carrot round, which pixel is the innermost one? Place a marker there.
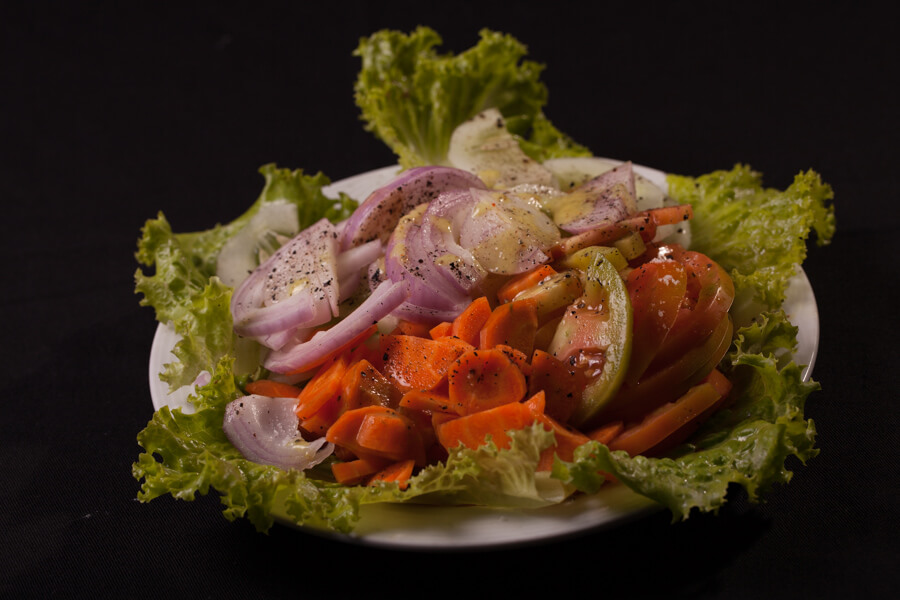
(272, 389)
(514, 324)
(484, 379)
(414, 363)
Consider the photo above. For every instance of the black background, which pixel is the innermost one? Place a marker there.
(110, 113)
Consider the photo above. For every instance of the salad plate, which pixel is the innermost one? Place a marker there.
(413, 526)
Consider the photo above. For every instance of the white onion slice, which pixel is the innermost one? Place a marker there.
(265, 430)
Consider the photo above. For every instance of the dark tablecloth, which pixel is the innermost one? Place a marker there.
(112, 112)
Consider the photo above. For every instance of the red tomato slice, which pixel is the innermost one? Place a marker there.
(656, 290)
(710, 293)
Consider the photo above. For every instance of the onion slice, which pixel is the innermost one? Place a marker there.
(386, 297)
(266, 431)
(607, 198)
(297, 287)
(379, 214)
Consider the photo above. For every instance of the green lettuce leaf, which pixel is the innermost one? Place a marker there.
(746, 444)
(758, 234)
(413, 97)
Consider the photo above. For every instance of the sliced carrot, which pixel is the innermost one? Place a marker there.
(562, 383)
(379, 431)
(606, 433)
(567, 440)
(513, 324)
(349, 346)
(364, 385)
(319, 422)
(414, 363)
(324, 386)
(669, 424)
(519, 283)
(518, 358)
(272, 389)
(484, 379)
(429, 402)
(405, 327)
(473, 430)
(354, 471)
(440, 330)
(718, 380)
(467, 326)
(398, 472)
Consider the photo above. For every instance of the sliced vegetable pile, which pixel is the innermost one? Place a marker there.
(506, 323)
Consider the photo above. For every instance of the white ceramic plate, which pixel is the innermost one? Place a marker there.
(452, 527)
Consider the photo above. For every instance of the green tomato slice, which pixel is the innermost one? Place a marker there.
(604, 290)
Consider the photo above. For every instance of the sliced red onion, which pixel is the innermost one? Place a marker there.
(406, 259)
(266, 431)
(607, 198)
(386, 297)
(295, 288)
(379, 214)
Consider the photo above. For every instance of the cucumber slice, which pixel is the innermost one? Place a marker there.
(274, 223)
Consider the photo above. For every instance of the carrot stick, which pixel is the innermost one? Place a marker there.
(513, 324)
(398, 472)
(272, 389)
(670, 423)
(324, 386)
(567, 440)
(519, 283)
(440, 330)
(606, 433)
(484, 379)
(354, 471)
(467, 326)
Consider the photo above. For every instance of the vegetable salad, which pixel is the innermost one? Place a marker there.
(509, 322)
